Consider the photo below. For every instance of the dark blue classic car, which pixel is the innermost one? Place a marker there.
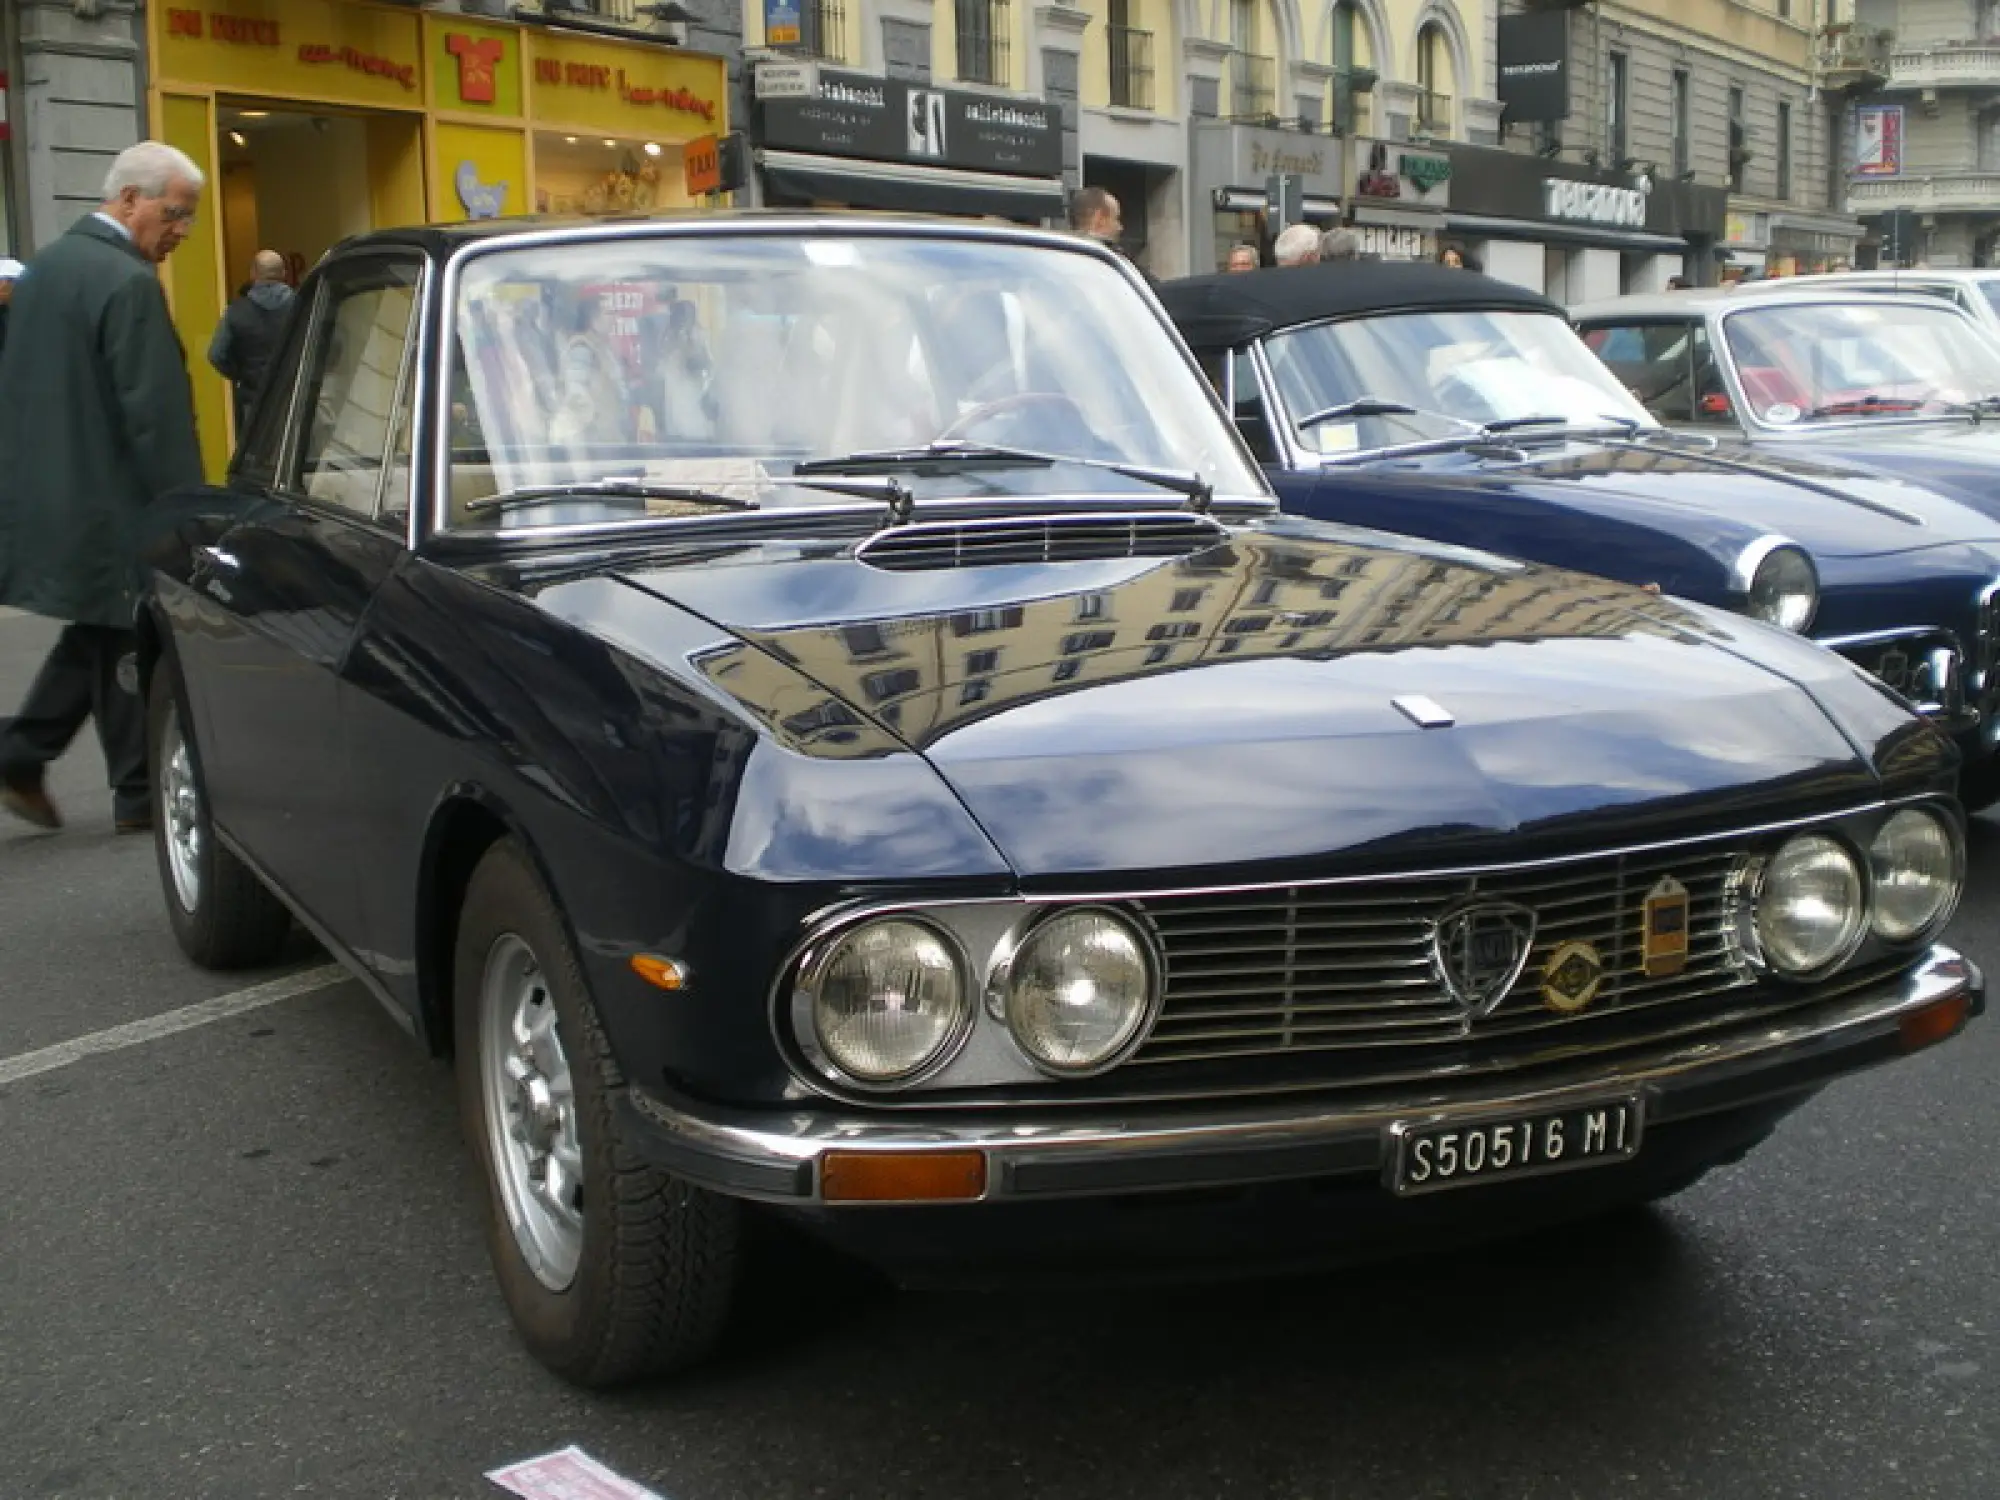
(823, 717)
(1464, 409)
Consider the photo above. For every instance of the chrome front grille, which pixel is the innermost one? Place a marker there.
(1350, 969)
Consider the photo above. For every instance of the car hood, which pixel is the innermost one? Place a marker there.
(1240, 704)
(1957, 459)
(1832, 509)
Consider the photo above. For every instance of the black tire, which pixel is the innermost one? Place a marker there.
(233, 921)
(659, 1260)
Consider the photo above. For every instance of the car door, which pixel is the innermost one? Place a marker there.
(298, 572)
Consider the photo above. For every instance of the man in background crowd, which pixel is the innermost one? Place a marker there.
(1340, 244)
(1095, 214)
(1242, 257)
(246, 340)
(1297, 246)
(96, 425)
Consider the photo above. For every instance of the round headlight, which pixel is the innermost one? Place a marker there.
(1915, 865)
(1811, 906)
(1784, 589)
(1079, 992)
(888, 1000)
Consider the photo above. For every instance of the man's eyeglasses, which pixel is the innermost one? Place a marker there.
(178, 213)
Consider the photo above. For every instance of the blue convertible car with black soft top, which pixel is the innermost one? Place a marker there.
(1464, 409)
(901, 772)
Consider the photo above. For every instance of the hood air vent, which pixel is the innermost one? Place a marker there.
(925, 545)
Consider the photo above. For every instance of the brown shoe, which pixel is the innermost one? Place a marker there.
(30, 804)
(132, 825)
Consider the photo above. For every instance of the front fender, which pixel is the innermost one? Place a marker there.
(1627, 538)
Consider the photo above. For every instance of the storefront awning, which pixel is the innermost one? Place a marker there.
(908, 188)
(1250, 201)
(1556, 232)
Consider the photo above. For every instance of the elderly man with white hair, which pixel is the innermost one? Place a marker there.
(1297, 246)
(96, 424)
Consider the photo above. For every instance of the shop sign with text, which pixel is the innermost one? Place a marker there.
(888, 119)
(303, 48)
(1597, 202)
(1407, 176)
(626, 90)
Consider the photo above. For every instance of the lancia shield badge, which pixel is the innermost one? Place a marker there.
(1479, 950)
(1571, 977)
(1663, 929)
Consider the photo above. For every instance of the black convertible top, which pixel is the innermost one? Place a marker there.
(1229, 308)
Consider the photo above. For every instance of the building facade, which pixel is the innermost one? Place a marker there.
(1925, 145)
(1722, 94)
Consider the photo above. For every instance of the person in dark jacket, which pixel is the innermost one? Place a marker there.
(246, 340)
(96, 424)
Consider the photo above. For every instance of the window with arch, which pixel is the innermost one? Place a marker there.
(1433, 73)
(1350, 55)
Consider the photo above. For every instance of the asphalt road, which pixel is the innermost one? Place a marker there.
(241, 1260)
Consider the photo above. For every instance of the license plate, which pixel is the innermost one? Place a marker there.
(1428, 1157)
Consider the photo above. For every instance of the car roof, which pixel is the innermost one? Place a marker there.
(1945, 273)
(1700, 300)
(443, 239)
(1226, 308)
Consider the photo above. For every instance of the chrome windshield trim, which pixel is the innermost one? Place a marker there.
(438, 521)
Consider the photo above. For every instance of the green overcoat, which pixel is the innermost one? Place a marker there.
(96, 423)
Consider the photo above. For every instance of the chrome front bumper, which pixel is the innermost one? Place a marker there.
(780, 1157)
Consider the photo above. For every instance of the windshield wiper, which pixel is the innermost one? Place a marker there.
(1626, 425)
(1375, 406)
(637, 490)
(947, 455)
(1868, 406)
(641, 490)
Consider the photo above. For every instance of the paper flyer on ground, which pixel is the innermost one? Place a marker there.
(568, 1474)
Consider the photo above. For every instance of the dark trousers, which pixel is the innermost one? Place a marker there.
(82, 680)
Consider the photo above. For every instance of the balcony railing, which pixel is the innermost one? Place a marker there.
(1951, 65)
(1939, 190)
(982, 41)
(826, 30)
(621, 12)
(1253, 86)
(1433, 114)
(1854, 57)
(1131, 67)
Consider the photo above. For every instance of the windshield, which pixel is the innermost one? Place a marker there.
(1989, 288)
(720, 362)
(1474, 366)
(1823, 362)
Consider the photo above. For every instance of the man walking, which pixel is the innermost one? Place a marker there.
(246, 340)
(96, 422)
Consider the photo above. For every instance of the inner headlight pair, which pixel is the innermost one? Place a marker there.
(1813, 903)
(892, 1000)
(1780, 584)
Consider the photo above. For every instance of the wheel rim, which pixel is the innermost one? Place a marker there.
(530, 1113)
(180, 798)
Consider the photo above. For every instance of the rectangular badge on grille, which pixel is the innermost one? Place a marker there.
(1663, 942)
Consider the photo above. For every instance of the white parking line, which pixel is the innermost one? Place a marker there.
(152, 1028)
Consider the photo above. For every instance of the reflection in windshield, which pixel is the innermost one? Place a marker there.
(1831, 362)
(722, 361)
(1454, 367)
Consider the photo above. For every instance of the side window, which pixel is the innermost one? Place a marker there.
(257, 446)
(1711, 396)
(1253, 419)
(356, 392)
(1661, 364)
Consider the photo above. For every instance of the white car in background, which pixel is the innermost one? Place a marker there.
(1976, 291)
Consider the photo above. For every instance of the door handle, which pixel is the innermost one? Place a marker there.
(221, 558)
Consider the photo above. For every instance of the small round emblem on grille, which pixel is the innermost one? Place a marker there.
(1480, 949)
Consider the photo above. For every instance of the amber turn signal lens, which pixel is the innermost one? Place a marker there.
(902, 1176)
(1934, 1023)
(661, 973)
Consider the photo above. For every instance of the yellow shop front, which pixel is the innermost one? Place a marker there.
(318, 119)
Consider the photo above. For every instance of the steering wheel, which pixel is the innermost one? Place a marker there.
(1005, 405)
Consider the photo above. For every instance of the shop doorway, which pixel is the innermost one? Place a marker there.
(299, 181)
